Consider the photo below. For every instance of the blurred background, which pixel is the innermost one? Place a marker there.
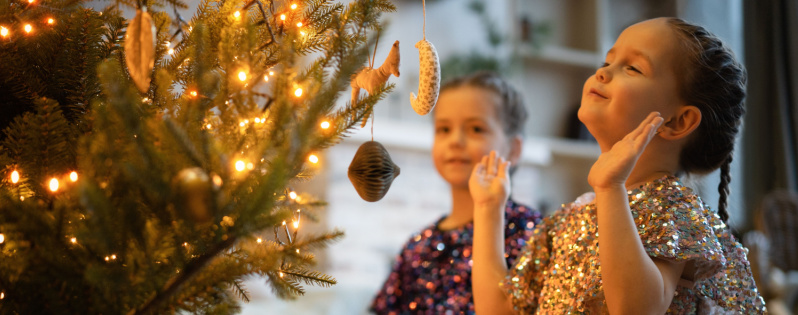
(547, 49)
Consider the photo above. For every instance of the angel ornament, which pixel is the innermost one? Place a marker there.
(369, 78)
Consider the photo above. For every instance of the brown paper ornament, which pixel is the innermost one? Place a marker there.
(140, 50)
(192, 187)
(372, 171)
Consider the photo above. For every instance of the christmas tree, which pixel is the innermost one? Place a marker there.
(148, 165)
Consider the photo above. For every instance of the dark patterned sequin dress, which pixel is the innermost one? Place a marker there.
(432, 273)
(559, 271)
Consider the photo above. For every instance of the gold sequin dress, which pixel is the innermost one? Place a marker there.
(559, 271)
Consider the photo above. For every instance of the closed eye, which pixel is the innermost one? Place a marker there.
(632, 68)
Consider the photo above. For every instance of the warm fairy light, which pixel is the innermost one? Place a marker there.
(283, 222)
(271, 72)
(299, 24)
(292, 195)
(107, 258)
(240, 165)
(257, 120)
(242, 76)
(296, 224)
(281, 274)
(293, 6)
(297, 250)
(171, 51)
(73, 240)
(237, 15)
(2, 295)
(313, 159)
(14, 177)
(28, 28)
(325, 124)
(113, 256)
(50, 21)
(250, 166)
(266, 78)
(2, 238)
(259, 240)
(54, 184)
(193, 93)
(3, 31)
(217, 180)
(185, 244)
(242, 124)
(31, 1)
(302, 33)
(282, 17)
(246, 121)
(298, 92)
(73, 176)
(208, 126)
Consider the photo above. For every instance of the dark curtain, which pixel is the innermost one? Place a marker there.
(770, 131)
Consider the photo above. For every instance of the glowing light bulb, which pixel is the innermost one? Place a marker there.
(2, 295)
(325, 124)
(113, 256)
(242, 76)
(50, 21)
(266, 78)
(313, 159)
(171, 51)
(281, 274)
(14, 176)
(237, 15)
(292, 195)
(241, 124)
(240, 165)
(299, 24)
(2, 238)
(73, 176)
(28, 28)
(296, 224)
(250, 166)
(217, 180)
(54, 184)
(3, 31)
(293, 6)
(260, 240)
(257, 120)
(271, 72)
(298, 92)
(283, 222)
(193, 93)
(208, 126)
(302, 33)
(282, 17)
(31, 1)
(73, 240)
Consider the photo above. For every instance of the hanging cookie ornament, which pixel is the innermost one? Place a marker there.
(140, 49)
(372, 171)
(429, 77)
(369, 78)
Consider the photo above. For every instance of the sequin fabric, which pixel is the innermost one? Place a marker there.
(432, 273)
(559, 271)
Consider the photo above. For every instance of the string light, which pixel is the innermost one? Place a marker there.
(296, 224)
(73, 176)
(266, 78)
(302, 33)
(193, 93)
(237, 15)
(299, 24)
(242, 76)
(31, 1)
(282, 17)
(298, 92)
(171, 51)
(2, 295)
(313, 159)
(217, 180)
(281, 274)
(208, 126)
(3, 31)
(250, 166)
(271, 72)
(325, 124)
(292, 195)
(73, 240)
(2, 238)
(240, 165)
(50, 21)
(293, 6)
(54, 184)
(28, 28)
(259, 240)
(242, 124)
(14, 176)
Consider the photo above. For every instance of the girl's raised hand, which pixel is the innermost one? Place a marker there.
(490, 180)
(614, 166)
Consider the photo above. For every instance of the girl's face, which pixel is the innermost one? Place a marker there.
(467, 127)
(638, 77)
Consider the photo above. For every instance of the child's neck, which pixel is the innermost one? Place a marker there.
(462, 210)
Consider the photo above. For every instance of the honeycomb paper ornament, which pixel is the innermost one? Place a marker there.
(372, 171)
(140, 49)
(192, 188)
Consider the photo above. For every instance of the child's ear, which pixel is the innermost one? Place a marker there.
(516, 144)
(682, 124)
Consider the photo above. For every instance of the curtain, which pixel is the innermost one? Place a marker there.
(770, 131)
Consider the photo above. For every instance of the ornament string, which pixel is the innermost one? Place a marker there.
(424, 8)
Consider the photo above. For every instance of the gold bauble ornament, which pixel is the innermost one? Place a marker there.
(192, 188)
(372, 171)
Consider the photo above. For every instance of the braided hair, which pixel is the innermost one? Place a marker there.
(715, 83)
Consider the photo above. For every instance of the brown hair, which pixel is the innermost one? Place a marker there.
(714, 82)
(511, 112)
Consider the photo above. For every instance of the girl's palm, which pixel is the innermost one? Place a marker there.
(614, 166)
(489, 182)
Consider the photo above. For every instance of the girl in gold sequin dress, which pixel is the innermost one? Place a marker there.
(666, 102)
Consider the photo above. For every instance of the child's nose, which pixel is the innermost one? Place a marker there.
(457, 138)
(603, 75)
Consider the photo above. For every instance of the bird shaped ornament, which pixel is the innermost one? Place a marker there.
(372, 171)
(369, 78)
(429, 77)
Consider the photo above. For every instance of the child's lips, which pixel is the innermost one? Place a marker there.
(458, 162)
(596, 93)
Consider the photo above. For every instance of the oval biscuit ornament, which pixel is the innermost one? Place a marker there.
(372, 171)
(140, 49)
(429, 74)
